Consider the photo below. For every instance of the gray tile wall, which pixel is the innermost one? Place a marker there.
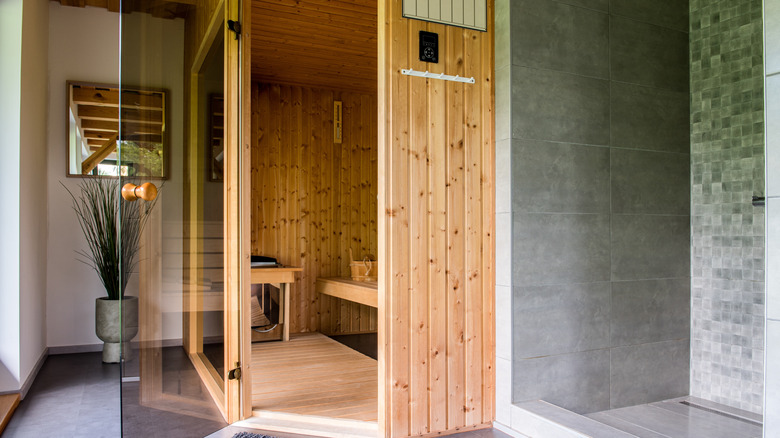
(600, 201)
(772, 81)
(727, 168)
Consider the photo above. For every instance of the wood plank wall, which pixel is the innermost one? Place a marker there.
(312, 199)
(436, 176)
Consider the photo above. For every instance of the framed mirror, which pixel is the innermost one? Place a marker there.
(95, 140)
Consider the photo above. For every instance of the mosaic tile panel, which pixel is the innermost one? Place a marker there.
(727, 168)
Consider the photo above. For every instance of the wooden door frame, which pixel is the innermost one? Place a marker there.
(227, 393)
(238, 203)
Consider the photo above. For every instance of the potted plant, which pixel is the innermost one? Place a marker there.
(112, 229)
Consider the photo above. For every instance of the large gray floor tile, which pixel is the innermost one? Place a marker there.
(573, 421)
(554, 106)
(560, 248)
(557, 36)
(549, 177)
(737, 427)
(650, 311)
(633, 429)
(596, 5)
(650, 55)
(563, 318)
(578, 382)
(650, 118)
(648, 247)
(649, 372)
(666, 13)
(673, 425)
(648, 182)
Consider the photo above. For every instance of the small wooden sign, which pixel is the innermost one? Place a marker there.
(337, 122)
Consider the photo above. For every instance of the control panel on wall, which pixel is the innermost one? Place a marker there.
(429, 47)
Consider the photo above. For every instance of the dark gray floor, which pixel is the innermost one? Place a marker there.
(76, 395)
(673, 419)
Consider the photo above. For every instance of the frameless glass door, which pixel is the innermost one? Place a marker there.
(172, 140)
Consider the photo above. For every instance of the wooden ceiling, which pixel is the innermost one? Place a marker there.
(318, 43)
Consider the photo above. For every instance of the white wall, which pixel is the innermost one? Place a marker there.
(33, 208)
(503, 216)
(23, 62)
(10, 95)
(84, 46)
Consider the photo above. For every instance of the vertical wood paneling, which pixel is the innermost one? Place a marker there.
(436, 203)
(311, 198)
(418, 245)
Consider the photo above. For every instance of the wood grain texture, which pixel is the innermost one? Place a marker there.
(354, 291)
(8, 404)
(436, 284)
(316, 43)
(313, 199)
(314, 375)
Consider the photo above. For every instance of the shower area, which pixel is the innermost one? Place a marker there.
(630, 142)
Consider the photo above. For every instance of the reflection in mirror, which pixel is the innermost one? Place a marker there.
(208, 200)
(93, 131)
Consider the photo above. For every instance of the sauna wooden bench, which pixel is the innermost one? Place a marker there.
(363, 292)
(280, 277)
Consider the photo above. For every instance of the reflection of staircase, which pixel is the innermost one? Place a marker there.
(211, 281)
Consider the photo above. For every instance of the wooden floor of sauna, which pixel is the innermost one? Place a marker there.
(314, 375)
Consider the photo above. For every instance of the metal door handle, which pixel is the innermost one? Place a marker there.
(146, 191)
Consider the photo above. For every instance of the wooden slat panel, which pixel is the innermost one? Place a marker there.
(418, 242)
(436, 144)
(311, 197)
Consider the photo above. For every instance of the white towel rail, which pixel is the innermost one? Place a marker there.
(427, 74)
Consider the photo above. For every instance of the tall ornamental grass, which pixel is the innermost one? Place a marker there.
(112, 227)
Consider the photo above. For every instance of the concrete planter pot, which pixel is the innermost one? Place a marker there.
(108, 327)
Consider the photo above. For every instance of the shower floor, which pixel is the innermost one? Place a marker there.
(685, 417)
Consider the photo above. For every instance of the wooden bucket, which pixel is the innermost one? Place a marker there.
(363, 270)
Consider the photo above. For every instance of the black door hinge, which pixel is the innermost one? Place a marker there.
(235, 373)
(234, 26)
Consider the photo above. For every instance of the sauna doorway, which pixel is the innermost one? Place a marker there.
(313, 203)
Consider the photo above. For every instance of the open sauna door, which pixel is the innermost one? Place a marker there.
(180, 103)
(216, 250)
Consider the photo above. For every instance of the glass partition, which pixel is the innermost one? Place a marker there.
(173, 370)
